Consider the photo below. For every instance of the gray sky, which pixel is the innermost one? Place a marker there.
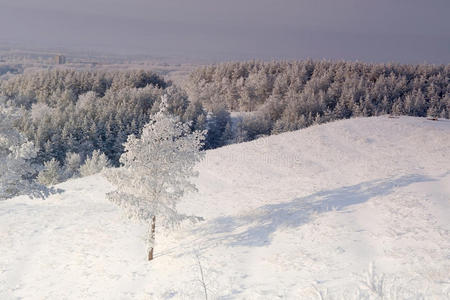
(369, 30)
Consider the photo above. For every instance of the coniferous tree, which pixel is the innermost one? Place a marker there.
(94, 164)
(51, 174)
(72, 165)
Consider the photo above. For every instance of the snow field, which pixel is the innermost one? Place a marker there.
(322, 212)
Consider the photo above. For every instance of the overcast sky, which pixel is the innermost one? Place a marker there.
(409, 31)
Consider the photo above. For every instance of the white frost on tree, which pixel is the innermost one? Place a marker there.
(15, 155)
(94, 164)
(156, 171)
(51, 174)
(72, 165)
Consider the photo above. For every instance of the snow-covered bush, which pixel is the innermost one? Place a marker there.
(15, 156)
(51, 174)
(156, 171)
(94, 164)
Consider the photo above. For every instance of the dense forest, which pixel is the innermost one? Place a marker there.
(285, 96)
(86, 116)
(79, 112)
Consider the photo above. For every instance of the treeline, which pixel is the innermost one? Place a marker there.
(66, 111)
(285, 96)
(45, 86)
(79, 112)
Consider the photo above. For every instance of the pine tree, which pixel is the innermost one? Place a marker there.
(94, 164)
(51, 174)
(432, 113)
(217, 121)
(72, 165)
(156, 171)
(227, 135)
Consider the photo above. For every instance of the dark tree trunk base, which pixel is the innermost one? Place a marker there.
(150, 254)
(152, 238)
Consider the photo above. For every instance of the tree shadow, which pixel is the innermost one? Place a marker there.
(34, 191)
(39, 191)
(256, 229)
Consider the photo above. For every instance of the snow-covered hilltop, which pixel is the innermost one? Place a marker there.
(352, 209)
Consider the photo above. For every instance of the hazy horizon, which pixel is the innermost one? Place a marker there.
(405, 31)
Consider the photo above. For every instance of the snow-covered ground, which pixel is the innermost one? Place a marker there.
(347, 210)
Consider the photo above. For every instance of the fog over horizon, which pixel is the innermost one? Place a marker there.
(405, 31)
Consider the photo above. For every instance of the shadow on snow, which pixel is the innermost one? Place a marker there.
(256, 229)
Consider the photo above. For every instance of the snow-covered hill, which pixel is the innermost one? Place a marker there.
(352, 209)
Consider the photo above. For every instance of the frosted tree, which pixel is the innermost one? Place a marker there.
(94, 164)
(15, 155)
(72, 165)
(433, 113)
(51, 174)
(156, 171)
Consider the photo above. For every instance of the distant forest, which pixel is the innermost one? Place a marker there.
(79, 111)
(285, 96)
(68, 111)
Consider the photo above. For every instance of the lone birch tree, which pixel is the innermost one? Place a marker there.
(156, 170)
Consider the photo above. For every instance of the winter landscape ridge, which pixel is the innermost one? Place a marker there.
(352, 209)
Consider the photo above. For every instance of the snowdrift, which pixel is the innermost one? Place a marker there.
(353, 209)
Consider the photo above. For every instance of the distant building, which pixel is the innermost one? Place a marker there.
(59, 59)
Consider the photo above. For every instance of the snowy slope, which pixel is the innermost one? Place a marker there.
(321, 212)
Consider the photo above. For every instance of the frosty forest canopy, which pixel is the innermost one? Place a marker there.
(69, 114)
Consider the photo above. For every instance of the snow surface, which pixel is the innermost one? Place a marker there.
(320, 213)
